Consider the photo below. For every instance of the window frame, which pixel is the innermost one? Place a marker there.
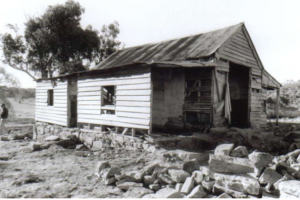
(50, 101)
(107, 109)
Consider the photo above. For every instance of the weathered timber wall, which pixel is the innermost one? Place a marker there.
(238, 50)
(56, 114)
(133, 95)
(168, 94)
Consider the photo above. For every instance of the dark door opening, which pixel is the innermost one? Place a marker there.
(73, 110)
(239, 93)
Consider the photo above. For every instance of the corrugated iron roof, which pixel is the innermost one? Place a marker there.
(192, 47)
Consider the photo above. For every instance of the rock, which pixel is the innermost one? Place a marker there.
(178, 186)
(120, 176)
(269, 177)
(198, 177)
(100, 166)
(188, 185)
(97, 145)
(224, 196)
(4, 157)
(149, 169)
(260, 159)
(36, 147)
(167, 193)
(190, 166)
(197, 192)
(241, 183)
(155, 186)
(127, 179)
(293, 154)
(137, 176)
(217, 189)
(148, 180)
(67, 143)
(207, 172)
(286, 177)
(186, 155)
(227, 164)
(239, 152)
(137, 192)
(166, 179)
(224, 149)
(113, 170)
(290, 187)
(284, 195)
(5, 138)
(18, 137)
(208, 185)
(80, 147)
(178, 175)
(110, 181)
(266, 195)
(127, 185)
(52, 138)
(45, 146)
(82, 154)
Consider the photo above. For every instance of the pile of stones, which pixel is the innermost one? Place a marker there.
(230, 173)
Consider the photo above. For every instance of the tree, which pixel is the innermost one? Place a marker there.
(55, 43)
(8, 83)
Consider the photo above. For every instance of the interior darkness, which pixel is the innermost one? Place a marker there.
(239, 90)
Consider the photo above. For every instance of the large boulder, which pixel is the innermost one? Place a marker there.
(239, 152)
(269, 176)
(188, 185)
(291, 187)
(224, 196)
(198, 177)
(190, 166)
(137, 192)
(227, 164)
(178, 175)
(286, 177)
(217, 189)
(197, 192)
(168, 193)
(260, 159)
(186, 156)
(224, 149)
(242, 183)
(100, 166)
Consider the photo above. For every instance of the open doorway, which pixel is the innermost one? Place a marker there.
(239, 93)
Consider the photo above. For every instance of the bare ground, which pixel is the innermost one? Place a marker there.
(60, 173)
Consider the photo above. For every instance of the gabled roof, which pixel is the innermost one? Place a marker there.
(186, 48)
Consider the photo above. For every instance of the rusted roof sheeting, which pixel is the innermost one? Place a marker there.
(192, 47)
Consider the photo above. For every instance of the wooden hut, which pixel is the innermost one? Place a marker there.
(211, 79)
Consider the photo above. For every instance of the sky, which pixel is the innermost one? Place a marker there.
(273, 25)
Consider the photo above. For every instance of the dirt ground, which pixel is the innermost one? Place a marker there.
(25, 109)
(60, 173)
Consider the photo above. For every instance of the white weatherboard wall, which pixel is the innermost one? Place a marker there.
(56, 114)
(133, 97)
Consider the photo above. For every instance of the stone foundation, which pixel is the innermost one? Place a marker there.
(93, 139)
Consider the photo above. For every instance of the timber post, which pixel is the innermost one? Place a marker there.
(277, 105)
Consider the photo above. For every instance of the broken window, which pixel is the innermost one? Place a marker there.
(108, 96)
(50, 99)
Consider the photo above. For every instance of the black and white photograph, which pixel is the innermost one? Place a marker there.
(149, 99)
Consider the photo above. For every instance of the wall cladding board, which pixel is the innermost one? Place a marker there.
(133, 94)
(168, 94)
(56, 114)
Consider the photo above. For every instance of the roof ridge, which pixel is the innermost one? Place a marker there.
(177, 38)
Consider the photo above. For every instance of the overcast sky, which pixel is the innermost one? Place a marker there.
(274, 25)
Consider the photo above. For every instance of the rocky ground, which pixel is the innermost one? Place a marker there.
(57, 172)
(243, 164)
